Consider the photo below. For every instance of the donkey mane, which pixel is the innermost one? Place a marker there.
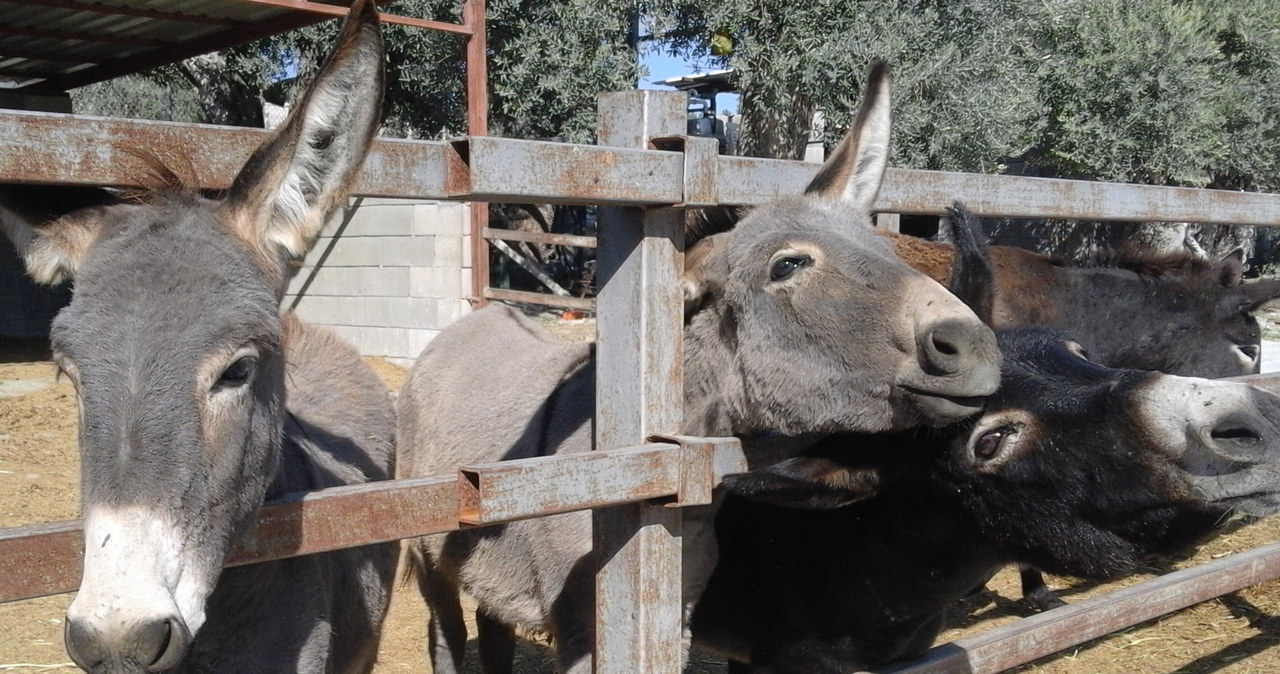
(159, 182)
(1147, 263)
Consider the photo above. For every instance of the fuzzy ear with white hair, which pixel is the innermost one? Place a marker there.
(293, 181)
(53, 228)
(856, 168)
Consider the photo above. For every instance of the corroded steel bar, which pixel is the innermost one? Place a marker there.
(639, 390)
(510, 490)
(50, 148)
(503, 169)
(540, 237)
(40, 559)
(343, 517)
(70, 149)
(477, 58)
(1001, 648)
(44, 559)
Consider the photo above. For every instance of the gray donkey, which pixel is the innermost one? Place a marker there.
(799, 319)
(199, 401)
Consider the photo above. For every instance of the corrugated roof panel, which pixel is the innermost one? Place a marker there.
(107, 38)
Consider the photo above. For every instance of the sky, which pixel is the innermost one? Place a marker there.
(662, 66)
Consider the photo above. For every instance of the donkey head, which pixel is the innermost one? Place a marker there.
(176, 347)
(1072, 466)
(818, 324)
(1184, 316)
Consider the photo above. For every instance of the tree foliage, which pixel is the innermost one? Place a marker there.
(1178, 92)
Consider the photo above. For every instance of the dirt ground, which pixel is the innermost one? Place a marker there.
(38, 483)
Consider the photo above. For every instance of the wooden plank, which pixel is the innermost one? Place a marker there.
(1001, 648)
(539, 237)
(579, 303)
(639, 380)
(509, 490)
(532, 267)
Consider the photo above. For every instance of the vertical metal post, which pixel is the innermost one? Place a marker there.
(639, 392)
(477, 125)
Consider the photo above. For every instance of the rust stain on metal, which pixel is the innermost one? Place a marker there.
(469, 497)
(40, 559)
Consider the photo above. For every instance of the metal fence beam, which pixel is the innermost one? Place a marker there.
(1001, 648)
(43, 559)
(51, 148)
(639, 393)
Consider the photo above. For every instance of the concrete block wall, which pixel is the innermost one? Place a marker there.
(399, 273)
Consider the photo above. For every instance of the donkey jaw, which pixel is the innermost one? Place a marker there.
(139, 576)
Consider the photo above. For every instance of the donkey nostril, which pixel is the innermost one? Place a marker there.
(81, 643)
(1241, 435)
(172, 641)
(944, 347)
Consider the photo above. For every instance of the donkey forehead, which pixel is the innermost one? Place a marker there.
(841, 232)
(173, 275)
(1039, 372)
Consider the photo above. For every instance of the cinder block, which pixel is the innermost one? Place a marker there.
(450, 310)
(381, 251)
(351, 311)
(382, 217)
(448, 252)
(438, 282)
(353, 281)
(411, 312)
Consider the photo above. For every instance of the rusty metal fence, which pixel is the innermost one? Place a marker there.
(643, 172)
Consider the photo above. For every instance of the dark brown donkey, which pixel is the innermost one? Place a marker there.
(199, 401)
(1175, 314)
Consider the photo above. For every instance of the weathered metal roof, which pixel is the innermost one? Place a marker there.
(56, 45)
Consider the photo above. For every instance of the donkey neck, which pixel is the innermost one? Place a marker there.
(715, 400)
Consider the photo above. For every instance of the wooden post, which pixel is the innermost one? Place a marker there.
(639, 393)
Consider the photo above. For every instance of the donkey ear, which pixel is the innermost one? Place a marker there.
(856, 168)
(1230, 268)
(705, 271)
(972, 278)
(806, 482)
(52, 248)
(1260, 292)
(293, 181)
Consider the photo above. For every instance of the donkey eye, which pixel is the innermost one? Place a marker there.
(237, 374)
(988, 446)
(786, 266)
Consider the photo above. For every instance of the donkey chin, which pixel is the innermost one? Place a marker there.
(150, 629)
(1226, 437)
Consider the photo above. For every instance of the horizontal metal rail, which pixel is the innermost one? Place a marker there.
(1018, 643)
(68, 149)
(43, 559)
